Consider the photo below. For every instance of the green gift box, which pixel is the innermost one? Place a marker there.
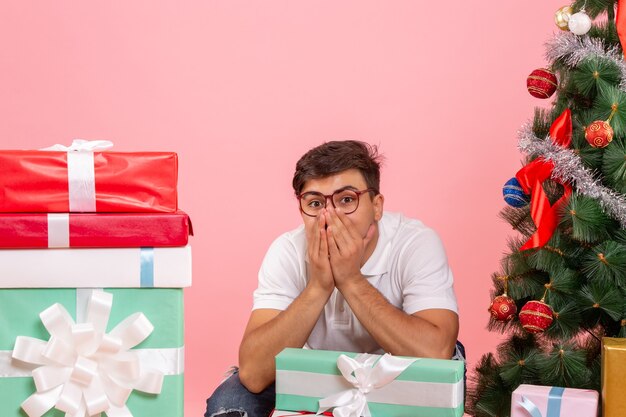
(163, 349)
(307, 380)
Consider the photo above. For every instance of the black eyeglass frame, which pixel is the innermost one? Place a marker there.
(330, 196)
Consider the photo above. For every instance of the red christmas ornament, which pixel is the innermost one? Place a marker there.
(503, 308)
(599, 134)
(541, 83)
(536, 316)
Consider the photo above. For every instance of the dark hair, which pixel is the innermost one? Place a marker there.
(336, 156)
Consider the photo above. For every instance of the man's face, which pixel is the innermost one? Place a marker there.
(369, 210)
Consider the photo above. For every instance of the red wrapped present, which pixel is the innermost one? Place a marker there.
(82, 178)
(89, 230)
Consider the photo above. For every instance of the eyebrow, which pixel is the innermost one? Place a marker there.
(346, 187)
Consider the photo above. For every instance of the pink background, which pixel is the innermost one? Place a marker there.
(241, 89)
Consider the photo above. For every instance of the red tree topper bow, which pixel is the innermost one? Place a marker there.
(531, 178)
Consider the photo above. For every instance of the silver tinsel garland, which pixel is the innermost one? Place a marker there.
(572, 49)
(568, 167)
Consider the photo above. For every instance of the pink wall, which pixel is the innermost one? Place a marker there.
(241, 89)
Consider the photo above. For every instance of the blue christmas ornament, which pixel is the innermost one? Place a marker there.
(514, 194)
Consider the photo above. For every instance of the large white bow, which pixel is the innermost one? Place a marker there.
(81, 369)
(366, 375)
(81, 145)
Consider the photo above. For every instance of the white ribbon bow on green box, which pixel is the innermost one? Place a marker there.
(81, 369)
(366, 374)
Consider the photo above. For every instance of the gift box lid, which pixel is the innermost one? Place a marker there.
(325, 362)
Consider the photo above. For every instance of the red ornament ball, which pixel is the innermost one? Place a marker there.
(536, 316)
(599, 134)
(541, 83)
(503, 308)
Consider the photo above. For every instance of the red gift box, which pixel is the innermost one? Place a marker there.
(87, 230)
(38, 181)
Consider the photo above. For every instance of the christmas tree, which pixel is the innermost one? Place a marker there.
(561, 286)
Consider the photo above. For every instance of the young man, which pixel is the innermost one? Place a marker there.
(351, 278)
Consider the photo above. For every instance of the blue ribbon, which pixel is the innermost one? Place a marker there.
(554, 404)
(147, 268)
(554, 401)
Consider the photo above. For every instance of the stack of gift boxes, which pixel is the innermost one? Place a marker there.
(94, 257)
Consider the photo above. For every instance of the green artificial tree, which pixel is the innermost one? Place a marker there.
(561, 287)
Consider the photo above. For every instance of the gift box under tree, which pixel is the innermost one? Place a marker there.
(613, 370)
(536, 400)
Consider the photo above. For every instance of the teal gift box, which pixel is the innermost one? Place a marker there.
(307, 380)
(163, 348)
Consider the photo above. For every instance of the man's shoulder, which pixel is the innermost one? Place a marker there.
(286, 251)
(294, 239)
(395, 223)
(294, 234)
(404, 232)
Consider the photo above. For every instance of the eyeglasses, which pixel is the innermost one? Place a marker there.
(312, 202)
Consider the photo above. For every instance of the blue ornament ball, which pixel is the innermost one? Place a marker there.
(514, 194)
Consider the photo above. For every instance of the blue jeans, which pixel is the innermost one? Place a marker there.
(232, 399)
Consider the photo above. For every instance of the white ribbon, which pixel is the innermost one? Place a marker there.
(169, 361)
(366, 375)
(82, 370)
(530, 407)
(80, 172)
(58, 230)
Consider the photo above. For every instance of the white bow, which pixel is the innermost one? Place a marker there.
(366, 375)
(81, 145)
(83, 370)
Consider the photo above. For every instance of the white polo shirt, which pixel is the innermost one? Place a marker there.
(408, 267)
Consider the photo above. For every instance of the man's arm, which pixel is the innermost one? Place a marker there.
(426, 333)
(270, 331)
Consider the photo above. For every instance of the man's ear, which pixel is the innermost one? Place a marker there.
(378, 202)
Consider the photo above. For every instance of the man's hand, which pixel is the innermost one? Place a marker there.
(346, 247)
(320, 274)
